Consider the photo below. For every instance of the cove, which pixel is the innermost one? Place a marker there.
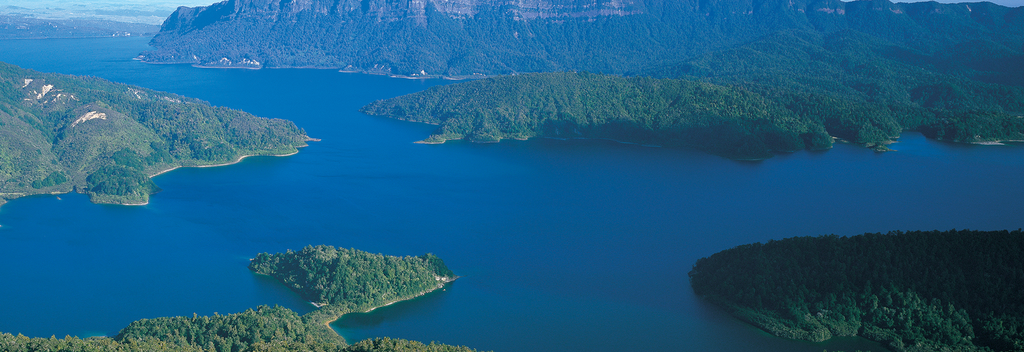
(576, 244)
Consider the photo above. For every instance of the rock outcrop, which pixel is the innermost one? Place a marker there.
(469, 37)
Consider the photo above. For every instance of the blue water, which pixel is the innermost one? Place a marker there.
(562, 245)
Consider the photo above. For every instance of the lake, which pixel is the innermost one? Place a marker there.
(561, 244)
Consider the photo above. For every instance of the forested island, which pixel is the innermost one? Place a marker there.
(328, 276)
(956, 290)
(345, 280)
(61, 133)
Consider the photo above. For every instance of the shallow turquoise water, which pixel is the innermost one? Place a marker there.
(561, 244)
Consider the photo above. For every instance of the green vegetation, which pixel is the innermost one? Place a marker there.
(246, 331)
(119, 183)
(863, 89)
(62, 133)
(720, 119)
(265, 330)
(348, 279)
(493, 38)
(788, 91)
(19, 343)
(340, 281)
(55, 178)
(915, 291)
(764, 77)
(358, 280)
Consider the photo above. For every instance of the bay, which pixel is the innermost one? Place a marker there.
(575, 244)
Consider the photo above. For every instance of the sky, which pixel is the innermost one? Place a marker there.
(155, 11)
(1007, 3)
(136, 11)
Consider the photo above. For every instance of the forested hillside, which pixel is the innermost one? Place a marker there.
(915, 291)
(724, 120)
(865, 90)
(337, 276)
(60, 133)
(788, 91)
(266, 329)
(774, 75)
(466, 37)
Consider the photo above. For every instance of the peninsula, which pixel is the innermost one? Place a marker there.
(64, 133)
(956, 290)
(743, 103)
(344, 280)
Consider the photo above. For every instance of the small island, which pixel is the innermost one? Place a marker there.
(61, 133)
(339, 280)
(342, 280)
(956, 290)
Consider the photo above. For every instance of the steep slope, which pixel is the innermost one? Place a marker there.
(914, 291)
(788, 91)
(61, 133)
(465, 37)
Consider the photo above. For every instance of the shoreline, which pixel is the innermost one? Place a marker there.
(4, 200)
(338, 69)
(998, 142)
(236, 161)
(329, 321)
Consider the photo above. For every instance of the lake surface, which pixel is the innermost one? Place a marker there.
(562, 245)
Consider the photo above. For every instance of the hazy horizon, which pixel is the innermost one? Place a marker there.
(155, 11)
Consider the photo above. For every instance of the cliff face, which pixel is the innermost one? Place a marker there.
(390, 10)
(466, 37)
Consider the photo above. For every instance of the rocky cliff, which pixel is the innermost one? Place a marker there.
(392, 10)
(469, 37)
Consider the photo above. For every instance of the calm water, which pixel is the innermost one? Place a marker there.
(579, 245)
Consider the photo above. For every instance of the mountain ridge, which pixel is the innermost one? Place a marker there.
(461, 37)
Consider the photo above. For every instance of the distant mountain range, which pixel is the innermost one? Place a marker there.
(22, 27)
(485, 37)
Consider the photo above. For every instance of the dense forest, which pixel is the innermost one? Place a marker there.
(491, 37)
(266, 329)
(746, 102)
(349, 280)
(725, 120)
(19, 343)
(867, 91)
(60, 133)
(355, 279)
(956, 290)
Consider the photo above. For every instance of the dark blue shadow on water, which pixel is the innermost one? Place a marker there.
(378, 318)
